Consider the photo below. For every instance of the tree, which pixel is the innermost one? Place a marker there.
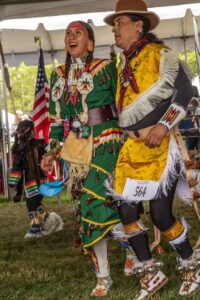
(23, 81)
(191, 61)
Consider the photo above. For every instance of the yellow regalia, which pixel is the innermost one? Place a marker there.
(136, 161)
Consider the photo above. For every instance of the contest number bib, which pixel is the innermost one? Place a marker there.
(140, 190)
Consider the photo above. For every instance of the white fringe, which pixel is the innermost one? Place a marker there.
(52, 224)
(162, 89)
(183, 236)
(108, 183)
(167, 179)
(194, 259)
(119, 234)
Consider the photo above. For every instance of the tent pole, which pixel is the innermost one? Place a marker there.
(197, 44)
(5, 135)
(3, 143)
(184, 39)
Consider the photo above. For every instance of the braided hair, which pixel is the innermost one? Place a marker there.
(89, 57)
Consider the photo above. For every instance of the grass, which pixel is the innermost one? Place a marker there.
(50, 268)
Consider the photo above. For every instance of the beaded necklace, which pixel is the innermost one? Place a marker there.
(74, 76)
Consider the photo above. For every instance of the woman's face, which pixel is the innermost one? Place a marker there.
(76, 40)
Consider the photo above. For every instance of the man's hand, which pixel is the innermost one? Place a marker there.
(47, 162)
(155, 136)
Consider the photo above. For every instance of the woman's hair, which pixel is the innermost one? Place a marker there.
(23, 134)
(89, 57)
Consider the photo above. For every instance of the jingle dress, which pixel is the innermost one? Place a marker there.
(98, 216)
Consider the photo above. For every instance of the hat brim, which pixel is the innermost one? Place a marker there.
(151, 16)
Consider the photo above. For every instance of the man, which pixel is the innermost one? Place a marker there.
(148, 75)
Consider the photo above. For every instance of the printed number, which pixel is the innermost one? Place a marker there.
(140, 191)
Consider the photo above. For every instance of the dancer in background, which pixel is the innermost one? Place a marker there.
(27, 153)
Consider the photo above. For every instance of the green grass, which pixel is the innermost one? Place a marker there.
(50, 268)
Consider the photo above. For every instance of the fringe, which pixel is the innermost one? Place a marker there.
(167, 179)
(109, 185)
(162, 89)
(182, 237)
(186, 263)
(170, 173)
(52, 224)
(118, 233)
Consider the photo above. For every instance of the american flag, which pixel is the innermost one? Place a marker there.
(41, 103)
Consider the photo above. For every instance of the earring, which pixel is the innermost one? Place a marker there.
(140, 31)
(66, 48)
(90, 47)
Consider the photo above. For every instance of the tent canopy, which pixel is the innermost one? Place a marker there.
(12, 9)
(17, 36)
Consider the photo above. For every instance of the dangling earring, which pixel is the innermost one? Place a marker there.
(90, 47)
(66, 48)
(140, 31)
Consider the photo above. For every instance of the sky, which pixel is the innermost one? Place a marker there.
(60, 22)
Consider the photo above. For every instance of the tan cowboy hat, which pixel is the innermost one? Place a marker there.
(133, 7)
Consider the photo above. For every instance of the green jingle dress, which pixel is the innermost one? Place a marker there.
(98, 214)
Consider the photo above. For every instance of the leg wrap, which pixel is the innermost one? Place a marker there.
(177, 238)
(140, 245)
(100, 259)
(174, 232)
(134, 228)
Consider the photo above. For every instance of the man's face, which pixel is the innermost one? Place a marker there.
(76, 40)
(126, 31)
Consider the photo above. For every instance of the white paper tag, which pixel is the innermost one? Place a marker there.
(140, 190)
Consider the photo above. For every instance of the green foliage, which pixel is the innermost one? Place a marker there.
(51, 268)
(23, 81)
(191, 60)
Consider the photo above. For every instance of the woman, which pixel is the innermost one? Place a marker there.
(81, 96)
(27, 153)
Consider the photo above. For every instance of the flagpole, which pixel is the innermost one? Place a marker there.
(41, 96)
(37, 39)
(3, 134)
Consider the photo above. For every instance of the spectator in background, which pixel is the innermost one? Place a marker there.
(18, 119)
(189, 126)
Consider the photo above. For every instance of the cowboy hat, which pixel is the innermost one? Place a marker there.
(133, 7)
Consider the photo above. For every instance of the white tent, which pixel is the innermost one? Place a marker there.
(17, 36)
(12, 9)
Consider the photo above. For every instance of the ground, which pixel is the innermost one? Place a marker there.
(51, 268)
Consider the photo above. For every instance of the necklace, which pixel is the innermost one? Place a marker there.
(127, 74)
(75, 78)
